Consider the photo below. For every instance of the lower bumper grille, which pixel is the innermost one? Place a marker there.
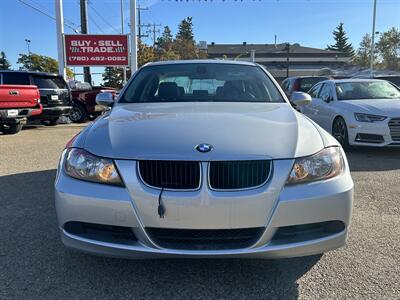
(394, 126)
(369, 138)
(205, 239)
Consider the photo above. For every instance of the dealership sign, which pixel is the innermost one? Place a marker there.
(96, 50)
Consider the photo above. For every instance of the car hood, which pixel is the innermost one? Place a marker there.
(171, 131)
(386, 107)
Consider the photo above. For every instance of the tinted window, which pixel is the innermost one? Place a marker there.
(16, 78)
(49, 82)
(315, 91)
(201, 82)
(366, 90)
(307, 83)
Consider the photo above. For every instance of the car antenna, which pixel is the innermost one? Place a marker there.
(161, 207)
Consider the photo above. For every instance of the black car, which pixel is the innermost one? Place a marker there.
(55, 95)
(300, 84)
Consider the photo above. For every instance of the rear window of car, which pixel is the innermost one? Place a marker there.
(49, 82)
(16, 78)
(307, 83)
(203, 82)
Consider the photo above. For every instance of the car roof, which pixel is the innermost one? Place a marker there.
(349, 80)
(201, 61)
(30, 72)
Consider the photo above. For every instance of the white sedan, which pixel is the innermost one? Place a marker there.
(357, 112)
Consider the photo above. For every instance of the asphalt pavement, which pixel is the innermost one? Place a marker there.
(34, 263)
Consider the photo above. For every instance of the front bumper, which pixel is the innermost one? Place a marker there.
(79, 201)
(379, 129)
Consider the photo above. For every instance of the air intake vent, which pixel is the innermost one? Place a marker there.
(236, 175)
(205, 239)
(394, 126)
(177, 175)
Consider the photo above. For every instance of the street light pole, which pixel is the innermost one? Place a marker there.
(60, 38)
(373, 41)
(28, 42)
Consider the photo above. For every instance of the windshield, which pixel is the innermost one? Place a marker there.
(205, 82)
(47, 82)
(366, 90)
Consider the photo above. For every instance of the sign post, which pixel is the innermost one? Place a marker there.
(60, 32)
(133, 36)
(96, 50)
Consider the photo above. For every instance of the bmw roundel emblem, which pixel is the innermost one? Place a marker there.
(204, 148)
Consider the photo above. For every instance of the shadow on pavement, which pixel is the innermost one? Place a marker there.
(36, 264)
(374, 159)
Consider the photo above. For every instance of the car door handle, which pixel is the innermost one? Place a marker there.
(13, 93)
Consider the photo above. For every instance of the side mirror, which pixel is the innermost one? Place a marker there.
(300, 99)
(105, 99)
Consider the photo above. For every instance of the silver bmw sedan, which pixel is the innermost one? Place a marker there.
(203, 158)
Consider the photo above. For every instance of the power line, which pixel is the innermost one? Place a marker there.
(101, 17)
(47, 14)
(95, 23)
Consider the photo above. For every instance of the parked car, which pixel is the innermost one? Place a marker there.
(358, 112)
(17, 102)
(203, 158)
(300, 84)
(55, 95)
(84, 101)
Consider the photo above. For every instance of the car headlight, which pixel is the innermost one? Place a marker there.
(80, 164)
(325, 164)
(368, 118)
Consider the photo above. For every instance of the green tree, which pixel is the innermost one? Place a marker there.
(166, 40)
(165, 49)
(4, 63)
(389, 49)
(185, 45)
(113, 77)
(145, 54)
(341, 41)
(363, 54)
(40, 63)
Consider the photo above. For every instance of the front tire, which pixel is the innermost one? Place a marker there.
(340, 133)
(11, 129)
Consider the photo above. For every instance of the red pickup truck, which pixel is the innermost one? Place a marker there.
(84, 99)
(17, 103)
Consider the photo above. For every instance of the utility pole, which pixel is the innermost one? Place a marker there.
(139, 9)
(154, 31)
(287, 48)
(122, 32)
(60, 40)
(133, 36)
(84, 30)
(373, 41)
